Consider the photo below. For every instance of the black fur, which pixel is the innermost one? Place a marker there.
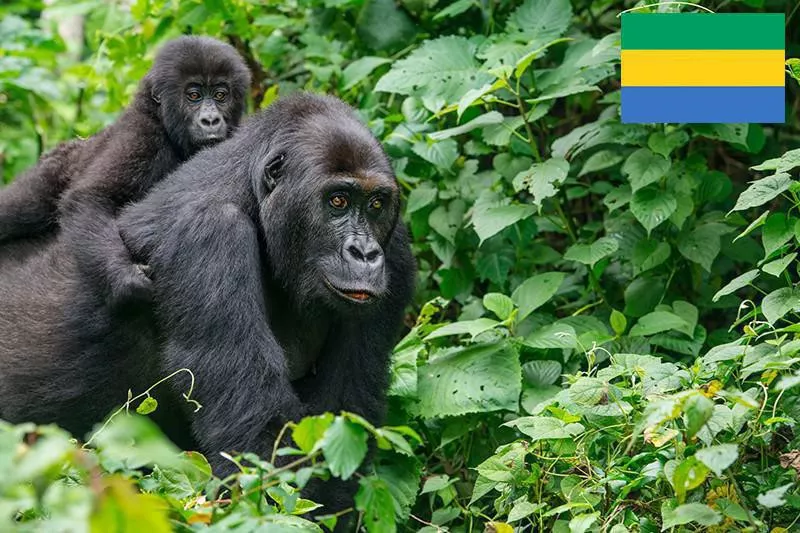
(259, 288)
(81, 185)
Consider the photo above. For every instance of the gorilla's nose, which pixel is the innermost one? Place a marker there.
(210, 122)
(363, 249)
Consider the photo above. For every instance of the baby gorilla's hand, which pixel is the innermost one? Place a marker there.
(130, 283)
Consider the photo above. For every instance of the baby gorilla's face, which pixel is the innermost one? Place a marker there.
(206, 110)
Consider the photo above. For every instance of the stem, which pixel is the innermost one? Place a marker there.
(531, 138)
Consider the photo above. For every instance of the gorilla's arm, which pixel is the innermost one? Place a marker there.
(207, 277)
(28, 204)
(87, 211)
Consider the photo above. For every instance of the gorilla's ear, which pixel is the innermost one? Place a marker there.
(273, 171)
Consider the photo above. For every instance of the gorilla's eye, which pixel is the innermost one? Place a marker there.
(220, 95)
(193, 95)
(338, 201)
(376, 203)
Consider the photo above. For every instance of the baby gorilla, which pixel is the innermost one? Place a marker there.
(193, 96)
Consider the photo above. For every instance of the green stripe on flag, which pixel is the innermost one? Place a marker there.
(703, 31)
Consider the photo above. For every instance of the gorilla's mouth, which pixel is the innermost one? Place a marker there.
(358, 296)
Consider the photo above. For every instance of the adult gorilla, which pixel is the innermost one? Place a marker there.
(280, 269)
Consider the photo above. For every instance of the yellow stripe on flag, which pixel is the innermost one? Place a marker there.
(702, 68)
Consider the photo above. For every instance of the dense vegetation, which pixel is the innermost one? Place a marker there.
(606, 332)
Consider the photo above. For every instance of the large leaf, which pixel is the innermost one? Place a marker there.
(656, 322)
(719, 457)
(536, 291)
(644, 167)
(689, 512)
(489, 220)
(542, 180)
(442, 70)
(479, 378)
(779, 302)
(762, 191)
(777, 230)
(344, 446)
(541, 373)
(542, 20)
(735, 284)
(648, 254)
(702, 244)
(470, 327)
(788, 161)
(651, 207)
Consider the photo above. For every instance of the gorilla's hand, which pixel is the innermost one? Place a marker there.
(129, 283)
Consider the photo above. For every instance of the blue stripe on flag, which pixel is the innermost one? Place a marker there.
(703, 104)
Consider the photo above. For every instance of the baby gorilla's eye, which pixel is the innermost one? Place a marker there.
(219, 96)
(338, 201)
(376, 203)
(193, 95)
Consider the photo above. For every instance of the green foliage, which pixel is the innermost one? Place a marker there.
(606, 321)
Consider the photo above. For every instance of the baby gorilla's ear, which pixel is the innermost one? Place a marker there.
(273, 171)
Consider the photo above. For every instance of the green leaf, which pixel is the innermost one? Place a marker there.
(762, 191)
(582, 522)
(618, 322)
(617, 198)
(308, 433)
(541, 373)
(359, 69)
(775, 497)
(468, 327)
(489, 221)
(587, 391)
(499, 304)
(443, 154)
(702, 244)
(545, 428)
(697, 410)
(480, 378)
(542, 20)
(651, 207)
(777, 267)
(788, 161)
(753, 225)
(521, 509)
(420, 198)
(552, 336)
(542, 180)
(664, 143)
(442, 70)
(735, 284)
(656, 322)
(643, 167)
(719, 457)
(689, 512)
(456, 8)
(779, 302)
(384, 25)
(148, 405)
(447, 219)
(601, 160)
(777, 231)
(344, 446)
(536, 291)
(375, 500)
(793, 67)
(591, 254)
(648, 254)
(487, 119)
(688, 475)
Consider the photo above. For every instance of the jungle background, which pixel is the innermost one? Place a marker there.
(605, 332)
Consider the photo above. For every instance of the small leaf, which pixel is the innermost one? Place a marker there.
(487, 119)
(543, 180)
(420, 198)
(651, 207)
(359, 69)
(618, 322)
(470, 327)
(344, 446)
(775, 497)
(499, 304)
(147, 406)
(489, 221)
(552, 336)
(648, 254)
(545, 427)
(664, 143)
(656, 322)
(582, 522)
(777, 231)
(777, 267)
(587, 391)
(591, 254)
(689, 512)
(719, 457)
(696, 412)
(541, 373)
(643, 167)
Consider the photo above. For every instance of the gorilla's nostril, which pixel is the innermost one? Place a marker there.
(373, 256)
(355, 252)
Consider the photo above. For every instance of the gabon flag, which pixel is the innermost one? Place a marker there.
(703, 67)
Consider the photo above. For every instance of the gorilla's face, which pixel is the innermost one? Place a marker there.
(206, 110)
(329, 205)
